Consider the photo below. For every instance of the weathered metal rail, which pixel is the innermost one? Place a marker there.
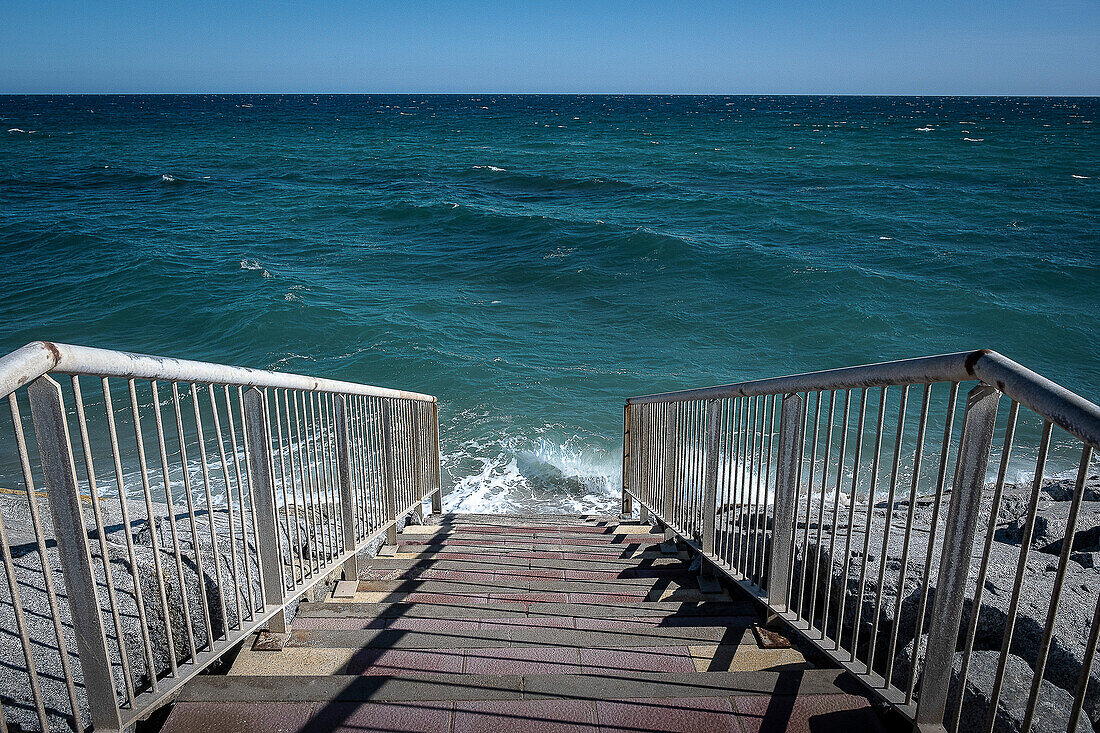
(806, 489)
(190, 503)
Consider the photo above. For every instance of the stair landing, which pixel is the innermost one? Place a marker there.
(490, 623)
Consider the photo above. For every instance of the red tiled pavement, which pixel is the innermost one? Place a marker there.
(817, 713)
(404, 661)
(432, 624)
(525, 716)
(522, 661)
(668, 715)
(529, 622)
(637, 659)
(609, 599)
(381, 717)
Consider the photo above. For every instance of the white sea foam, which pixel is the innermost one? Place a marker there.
(20, 131)
(489, 167)
(167, 178)
(1083, 178)
(886, 238)
(974, 139)
(531, 476)
(926, 128)
(251, 264)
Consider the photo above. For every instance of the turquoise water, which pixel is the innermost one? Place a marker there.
(535, 260)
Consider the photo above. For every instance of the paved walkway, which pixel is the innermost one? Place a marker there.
(564, 624)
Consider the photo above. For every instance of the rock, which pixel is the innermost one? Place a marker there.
(1062, 489)
(1086, 559)
(1071, 625)
(1051, 522)
(1052, 706)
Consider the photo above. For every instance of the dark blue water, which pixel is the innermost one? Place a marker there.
(534, 260)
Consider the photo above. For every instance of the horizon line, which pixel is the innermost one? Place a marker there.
(550, 94)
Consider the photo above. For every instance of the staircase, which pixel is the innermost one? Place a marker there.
(536, 623)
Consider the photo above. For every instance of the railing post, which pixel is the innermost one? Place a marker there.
(56, 453)
(347, 489)
(263, 487)
(417, 460)
(389, 473)
(437, 476)
(958, 547)
(786, 491)
(668, 451)
(628, 503)
(710, 487)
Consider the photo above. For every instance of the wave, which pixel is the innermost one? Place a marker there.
(252, 264)
(544, 476)
(551, 183)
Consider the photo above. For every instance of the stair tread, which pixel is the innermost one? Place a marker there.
(519, 622)
(515, 608)
(504, 635)
(450, 686)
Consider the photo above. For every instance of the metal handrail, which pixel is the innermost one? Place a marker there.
(766, 479)
(1068, 410)
(312, 471)
(41, 357)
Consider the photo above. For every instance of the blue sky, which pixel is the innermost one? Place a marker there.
(884, 47)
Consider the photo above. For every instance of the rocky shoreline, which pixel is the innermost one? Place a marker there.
(1072, 623)
(198, 593)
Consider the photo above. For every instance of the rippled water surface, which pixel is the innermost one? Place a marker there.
(534, 260)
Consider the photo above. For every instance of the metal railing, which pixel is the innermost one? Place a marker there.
(189, 504)
(827, 496)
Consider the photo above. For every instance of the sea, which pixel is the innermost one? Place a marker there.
(535, 260)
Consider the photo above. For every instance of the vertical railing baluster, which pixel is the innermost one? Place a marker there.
(710, 485)
(668, 450)
(437, 476)
(786, 491)
(975, 441)
(263, 486)
(347, 493)
(628, 503)
(56, 454)
(389, 470)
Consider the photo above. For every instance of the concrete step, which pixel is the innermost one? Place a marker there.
(509, 587)
(506, 548)
(621, 624)
(477, 572)
(736, 631)
(428, 686)
(505, 581)
(635, 553)
(659, 562)
(463, 608)
(520, 596)
(469, 530)
(349, 658)
(703, 714)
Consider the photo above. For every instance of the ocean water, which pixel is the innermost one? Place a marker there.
(533, 260)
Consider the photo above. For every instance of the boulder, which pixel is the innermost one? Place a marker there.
(1051, 522)
(1052, 705)
(1062, 489)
